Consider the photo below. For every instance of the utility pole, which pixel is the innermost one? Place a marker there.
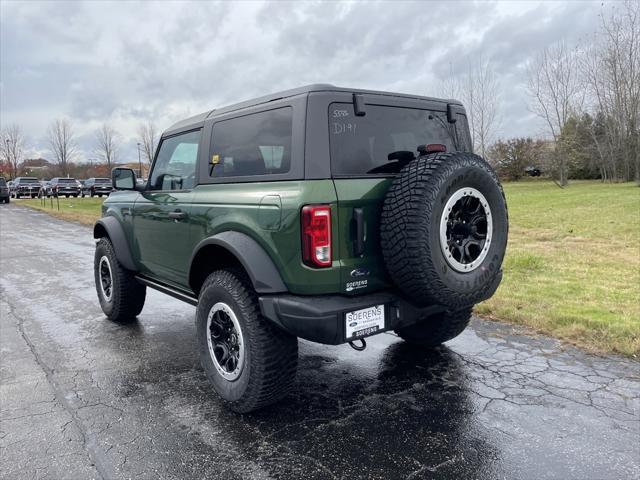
(139, 161)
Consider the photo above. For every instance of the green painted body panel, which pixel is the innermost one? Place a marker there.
(269, 212)
(163, 245)
(367, 194)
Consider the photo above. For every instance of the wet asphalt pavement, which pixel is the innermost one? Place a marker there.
(82, 397)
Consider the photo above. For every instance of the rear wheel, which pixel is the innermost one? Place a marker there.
(120, 295)
(250, 362)
(436, 329)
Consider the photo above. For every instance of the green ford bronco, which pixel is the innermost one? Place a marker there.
(324, 213)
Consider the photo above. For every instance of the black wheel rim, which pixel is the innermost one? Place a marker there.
(225, 341)
(465, 229)
(106, 279)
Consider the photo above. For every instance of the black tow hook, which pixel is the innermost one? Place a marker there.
(359, 348)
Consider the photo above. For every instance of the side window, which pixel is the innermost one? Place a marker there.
(256, 144)
(175, 166)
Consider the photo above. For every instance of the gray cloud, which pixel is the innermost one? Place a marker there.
(128, 62)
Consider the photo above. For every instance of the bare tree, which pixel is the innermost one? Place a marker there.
(451, 85)
(12, 147)
(611, 70)
(479, 90)
(148, 139)
(107, 144)
(555, 89)
(62, 143)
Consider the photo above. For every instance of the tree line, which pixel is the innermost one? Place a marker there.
(587, 96)
(61, 140)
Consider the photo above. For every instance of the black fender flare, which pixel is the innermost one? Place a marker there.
(110, 227)
(256, 261)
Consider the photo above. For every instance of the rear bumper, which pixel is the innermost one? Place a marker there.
(322, 318)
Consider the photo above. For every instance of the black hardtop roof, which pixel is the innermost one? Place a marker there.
(197, 120)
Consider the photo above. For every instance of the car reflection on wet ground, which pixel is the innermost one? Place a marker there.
(82, 397)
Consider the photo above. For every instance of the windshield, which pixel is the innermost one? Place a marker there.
(67, 180)
(102, 180)
(383, 140)
(28, 180)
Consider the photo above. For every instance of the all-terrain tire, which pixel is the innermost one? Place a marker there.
(411, 225)
(127, 295)
(436, 329)
(270, 354)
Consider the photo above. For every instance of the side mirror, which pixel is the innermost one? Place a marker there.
(123, 179)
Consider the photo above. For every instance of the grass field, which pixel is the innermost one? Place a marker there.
(573, 264)
(572, 268)
(83, 210)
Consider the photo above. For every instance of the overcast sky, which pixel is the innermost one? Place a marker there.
(128, 62)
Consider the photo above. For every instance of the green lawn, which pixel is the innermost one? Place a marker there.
(573, 264)
(83, 210)
(572, 268)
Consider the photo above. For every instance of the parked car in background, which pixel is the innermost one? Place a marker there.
(4, 191)
(65, 186)
(97, 186)
(25, 187)
(533, 171)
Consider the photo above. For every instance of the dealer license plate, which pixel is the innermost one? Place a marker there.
(361, 323)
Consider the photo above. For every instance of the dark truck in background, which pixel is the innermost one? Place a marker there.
(322, 213)
(28, 187)
(69, 187)
(4, 191)
(96, 186)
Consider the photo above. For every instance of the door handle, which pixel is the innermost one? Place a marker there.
(177, 215)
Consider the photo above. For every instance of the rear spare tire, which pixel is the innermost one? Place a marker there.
(444, 230)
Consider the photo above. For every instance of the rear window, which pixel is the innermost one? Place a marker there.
(28, 180)
(102, 180)
(256, 144)
(67, 180)
(383, 140)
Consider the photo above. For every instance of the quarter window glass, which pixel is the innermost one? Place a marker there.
(175, 167)
(256, 144)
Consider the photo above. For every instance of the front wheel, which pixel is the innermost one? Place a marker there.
(120, 295)
(436, 329)
(250, 362)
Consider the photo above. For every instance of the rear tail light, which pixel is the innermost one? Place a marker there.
(316, 235)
